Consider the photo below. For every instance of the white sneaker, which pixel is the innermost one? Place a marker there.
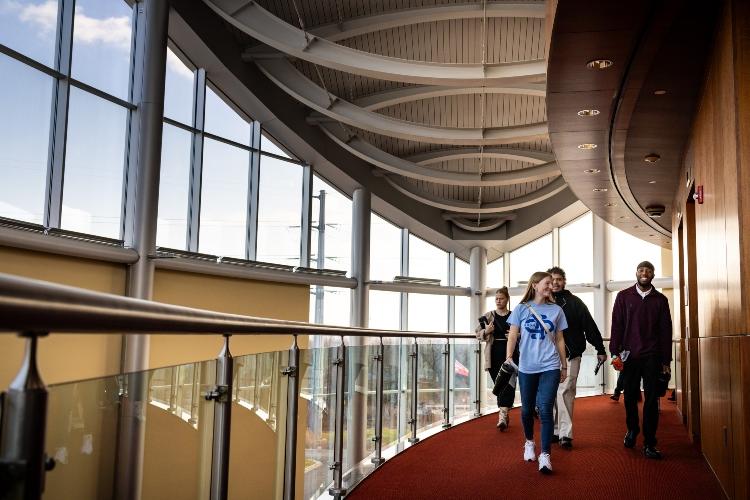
(545, 464)
(529, 451)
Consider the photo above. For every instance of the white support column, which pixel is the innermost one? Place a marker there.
(478, 283)
(556, 246)
(506, 270)
(601, 271)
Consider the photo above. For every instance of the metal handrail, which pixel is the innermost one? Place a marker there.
(35, 305)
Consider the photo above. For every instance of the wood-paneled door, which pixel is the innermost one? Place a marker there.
(689, 321)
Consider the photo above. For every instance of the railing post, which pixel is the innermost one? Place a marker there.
(292, 394)
(478, 378)
(447, 372)
(338, 489)
(24, 418)
(378, 438)
(221, 395)
(414, 392)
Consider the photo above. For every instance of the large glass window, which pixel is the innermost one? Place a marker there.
(178, 90)
(337, 230)
(428, 313)
(268, 146)
(532, 257)
(223, 121)
(385, 249)
(279, 212)
(626, 252)
(495, 271)
(101, 45)
(223, 216)
(464, 323)
(174, 188)
(25, 101)
(385, 310)
(330, 305)
(29, 27)
(462, 273)
(427, 261)
(94, 163)
(577, 249)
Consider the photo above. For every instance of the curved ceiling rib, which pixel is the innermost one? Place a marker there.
(401, 95)
(375, 156)
(293, 82)
(551, 189)
(483, 226)
(439, 156)
(357, 26)
(260, 24)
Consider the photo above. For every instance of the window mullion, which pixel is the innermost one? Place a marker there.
(196, 162)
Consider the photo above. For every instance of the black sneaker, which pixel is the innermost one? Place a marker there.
(651, 452)
(615, 396)
(555, 439)
(629, 440)
(566, 443)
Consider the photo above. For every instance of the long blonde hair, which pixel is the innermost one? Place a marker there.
(533, 281)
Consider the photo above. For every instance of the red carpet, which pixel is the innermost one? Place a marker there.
(475, 460)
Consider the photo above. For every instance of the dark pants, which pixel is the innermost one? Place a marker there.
(647, 369)
(539, 389)
(508, 396)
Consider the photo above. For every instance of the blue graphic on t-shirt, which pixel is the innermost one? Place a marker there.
(533, 326)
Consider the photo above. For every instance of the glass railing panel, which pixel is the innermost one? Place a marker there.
(405, 384)
(391, 394)
(317, 418)
(589, 384)
(430, 381)
(256, 452)
(82, 432)
(463, 355)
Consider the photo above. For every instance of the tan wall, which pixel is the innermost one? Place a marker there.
(718, 158)
(68, 357)
(237, 296)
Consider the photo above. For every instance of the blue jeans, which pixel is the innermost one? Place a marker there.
(539, 389)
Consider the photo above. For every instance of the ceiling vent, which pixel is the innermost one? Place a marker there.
(655, 211)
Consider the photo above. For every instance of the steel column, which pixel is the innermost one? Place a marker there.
(24, 419)
(447, 384)
(478, 278)
(478, 379)
(414, 392)
(378, 438)
(338, 489)
(222, 397)
(292, 401)
(601, 267)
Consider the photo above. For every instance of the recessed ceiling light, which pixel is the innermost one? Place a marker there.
(599, 190)
(651, 158)
(587, 145)
(623, 217)
(599, 64)
(660, 92)
(610, 204)
(636, 227)
(592, 171)
(588, 112)
(651, 235)
(652, 182)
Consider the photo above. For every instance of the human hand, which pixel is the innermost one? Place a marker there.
(601, 358)
(563, 374)
(666, 369)
(490, 328)
(617, 363)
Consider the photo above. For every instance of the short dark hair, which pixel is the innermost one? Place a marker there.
(646, 264)
(557, 270)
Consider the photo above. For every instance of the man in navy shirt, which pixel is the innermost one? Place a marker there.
(641, 343)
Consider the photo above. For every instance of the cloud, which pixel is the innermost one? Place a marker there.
(42, 16)
(113, 31)
(176, 66)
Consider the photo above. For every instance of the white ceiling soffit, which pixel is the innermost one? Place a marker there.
(293, 82)
(439, 156)
(335, 32)
(252, 19)
(487, 224)
(537, 196)
(402, 95)
(376, 156)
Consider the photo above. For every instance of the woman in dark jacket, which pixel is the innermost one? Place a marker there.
(494, 332)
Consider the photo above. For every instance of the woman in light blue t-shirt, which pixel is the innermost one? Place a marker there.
(542, 365)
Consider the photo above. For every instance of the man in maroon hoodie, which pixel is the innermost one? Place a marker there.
(641, 343)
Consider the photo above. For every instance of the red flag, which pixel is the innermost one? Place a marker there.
(461, 369)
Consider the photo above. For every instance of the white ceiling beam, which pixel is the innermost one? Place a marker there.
(254, 20)
(537, 196)
(486, 224)
(375, 156)
(402, 95)
(293, 82)
(439, 156)
(357, 26)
